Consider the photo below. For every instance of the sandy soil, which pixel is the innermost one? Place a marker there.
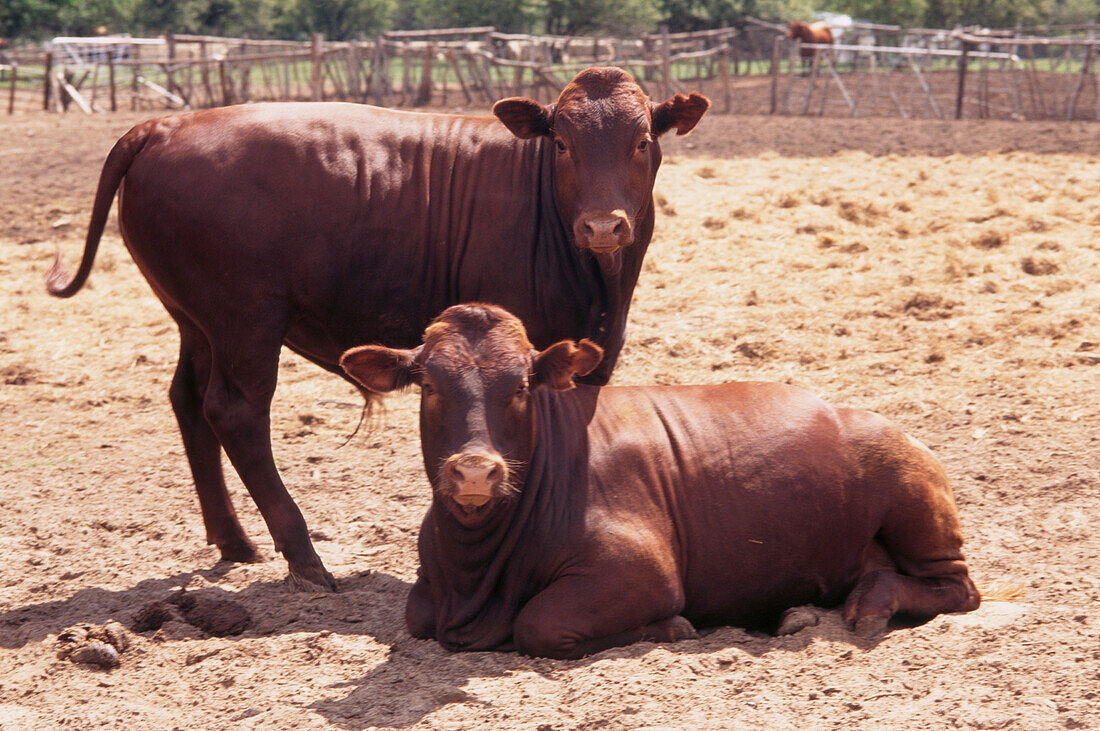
(946, 275)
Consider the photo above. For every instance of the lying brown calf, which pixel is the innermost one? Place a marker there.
(568, 520)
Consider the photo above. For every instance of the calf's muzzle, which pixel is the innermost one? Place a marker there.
(474, 479)
(604, 233)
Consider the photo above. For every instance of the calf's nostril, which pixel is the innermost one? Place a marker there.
(470, 474)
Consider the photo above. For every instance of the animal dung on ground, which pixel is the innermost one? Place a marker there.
(218, 617)
(93, 644)
(1038, 266)
(95, 653)
(153, 616)
(991, 239)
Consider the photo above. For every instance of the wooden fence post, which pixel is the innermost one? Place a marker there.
(424, 93)
(1097, 87)
(135, 72)
(11, 91)
(170, 43)
(206, 74)
(666, 63)
(777, 58)
(47, 81)
(815, 65)
(458, 73)
(111, 81)
(226, 83)
(724, 73)
(647, 51)
(403, 52)
(963, 60)
(1071, 108)
(352, 72)
(735, 46)
(316, 81)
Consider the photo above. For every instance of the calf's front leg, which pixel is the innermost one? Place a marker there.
(576, 616)
(420, 611)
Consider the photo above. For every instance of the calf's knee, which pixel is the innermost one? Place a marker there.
(540, 638)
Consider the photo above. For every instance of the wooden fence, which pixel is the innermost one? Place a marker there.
(873, 70)
(983, 76)
(449, 67)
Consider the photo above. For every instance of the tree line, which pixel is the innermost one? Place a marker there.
(347, 19)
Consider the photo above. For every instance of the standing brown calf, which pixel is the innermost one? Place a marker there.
(567, 520)
(323, 226)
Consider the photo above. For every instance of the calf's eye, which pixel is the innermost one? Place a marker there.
(560, 144)
(643, 145)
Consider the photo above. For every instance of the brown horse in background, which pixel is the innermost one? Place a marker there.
(818, 32)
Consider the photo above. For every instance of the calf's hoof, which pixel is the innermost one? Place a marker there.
(870, 627)
(797, 619)
(243, 551)
(670, 630)
(312, 578)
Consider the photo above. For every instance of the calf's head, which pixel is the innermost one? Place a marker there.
(476, 371)
(604, 132)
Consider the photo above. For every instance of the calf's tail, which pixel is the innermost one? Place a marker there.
(118, 163)
(1001, 591)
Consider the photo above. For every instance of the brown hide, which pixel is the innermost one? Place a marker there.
(324, 226)
(631, 510)
(818, 32)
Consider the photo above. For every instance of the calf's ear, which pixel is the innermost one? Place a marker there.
(682, 112)
(381, 369)
(556, 366)
(525, 118)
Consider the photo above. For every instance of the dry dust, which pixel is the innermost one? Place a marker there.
(946, 275)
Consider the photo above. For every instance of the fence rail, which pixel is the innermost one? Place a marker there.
(1047, 73)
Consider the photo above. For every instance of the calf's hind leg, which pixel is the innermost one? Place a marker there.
(204, 451)
(238, 406)
(922, 536)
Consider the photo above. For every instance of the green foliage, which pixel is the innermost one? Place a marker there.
(336, 19)
(509, 16)
(988, 13)
(246, 18)
(1075, 12)
(341, 19)
(908, 13)
(684, 15)
(37, 19)
(782, 11)
(164, 15)
(621, 17)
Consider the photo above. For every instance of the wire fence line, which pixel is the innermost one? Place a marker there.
(872, 70)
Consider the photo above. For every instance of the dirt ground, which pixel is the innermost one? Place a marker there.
(946, 275)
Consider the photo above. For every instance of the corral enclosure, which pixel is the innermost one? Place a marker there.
(946, 275)
(872, 70)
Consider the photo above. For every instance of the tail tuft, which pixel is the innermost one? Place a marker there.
(57, 279)
(1001, 591)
